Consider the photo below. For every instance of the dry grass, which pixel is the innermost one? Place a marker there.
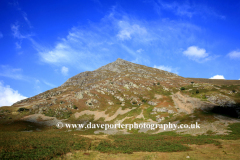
(215, 81)
(230, 150)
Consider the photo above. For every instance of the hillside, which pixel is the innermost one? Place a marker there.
(216, 81)
(122, 92)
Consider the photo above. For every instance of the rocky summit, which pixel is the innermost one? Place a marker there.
(125, 92)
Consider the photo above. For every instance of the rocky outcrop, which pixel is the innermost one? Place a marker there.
(85, 78)
(163, 109)
(45, 95)
(79, 95)
(110, 103)
(188, 104)
(152, 103)
(111, 79)
(113, 69)
(92, 103)
(221, 100)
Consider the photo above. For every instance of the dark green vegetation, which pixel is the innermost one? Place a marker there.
(159, 90)
(75, 107)
(234, 135)
(151, 143)
(39, 145)
(52, 142)
(182, 88)
(205, 91)
(215, 81)
(55, 142)
(22, 109)
(163, 142)
(61, 114)
(201, 91)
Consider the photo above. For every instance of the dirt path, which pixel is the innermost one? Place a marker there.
(104, 137)
(158, 96)
(99, 114)
(140, 115)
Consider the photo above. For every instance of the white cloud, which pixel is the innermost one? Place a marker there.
(94, 45)
(19, 36)
(127, 30)
(8, 96)
(26, 19)
(186, 9)
(217, 77)
(124, 34)
(14, 73)
(24, 14)
(166, 68)
(59, 54)
(234, 55)
(49, 84)
(64, 70)
(180, 10)
(18, 45)
(16, 32)
(141, 60)
(1, 35)
(37, 87)
(195, 52)
(84, 46)
(140, 50)
(119, 34)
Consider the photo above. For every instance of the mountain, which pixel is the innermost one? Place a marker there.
(117, 78)
(125, 92)
(119, 68)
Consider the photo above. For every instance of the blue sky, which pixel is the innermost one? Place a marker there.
(43, 43)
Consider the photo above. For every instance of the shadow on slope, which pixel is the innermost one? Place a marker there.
(19, 125)
(233, 112)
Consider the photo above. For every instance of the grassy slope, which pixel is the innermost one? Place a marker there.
(53, 143)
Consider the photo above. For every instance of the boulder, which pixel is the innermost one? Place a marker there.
(163, 109)
(110, 103)
(170, 111)
(159, 119)
(152, 103)
(79, 95)
(222, 100)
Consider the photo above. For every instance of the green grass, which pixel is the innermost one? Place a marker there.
(55, 143)
(132, 120)
(134, 112)
(167, 142)
(85, 117)
(62, 114)
(159, 90)
(208, 91)
(39, 145)
(234, 135)
(199, 115)
(162, 142)
(230, 87)
(147, 114)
